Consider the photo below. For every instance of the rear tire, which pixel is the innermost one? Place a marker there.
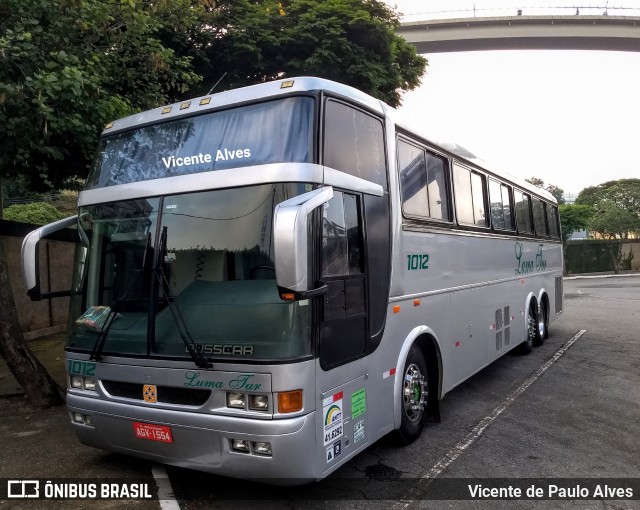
(533, 333)
(542, 321)
(414, 396)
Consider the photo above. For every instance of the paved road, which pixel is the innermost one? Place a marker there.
(560, 412)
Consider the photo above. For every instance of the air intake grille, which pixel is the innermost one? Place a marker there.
(166, 394)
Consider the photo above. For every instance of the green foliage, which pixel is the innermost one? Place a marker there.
(573, 218)
(36, 213)
(558, 193)
(350, 41)
(613, 221)
(616, 206)
(67, 67)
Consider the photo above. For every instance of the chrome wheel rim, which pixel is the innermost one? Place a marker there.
(415, 393)
(541, 324)
(532, 326)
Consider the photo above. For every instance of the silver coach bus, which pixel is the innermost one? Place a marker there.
(268, 280)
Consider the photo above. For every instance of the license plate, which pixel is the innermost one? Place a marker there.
(152, 432)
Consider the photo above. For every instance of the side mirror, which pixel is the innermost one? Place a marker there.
(291, 243)
(30, 259)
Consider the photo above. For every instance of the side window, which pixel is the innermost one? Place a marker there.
(478, 190)
(413, 180)
(422, 183)
(341, 246)
(523, 214)
(553, 221)
(506, 207)
(437, 186)
(354, 142)
(495, 202)
(462, 191)
(539, 220)
(470, 196)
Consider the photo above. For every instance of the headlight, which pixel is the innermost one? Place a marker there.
(236, 400)
(258, 402)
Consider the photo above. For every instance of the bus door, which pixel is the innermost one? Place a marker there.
(343, 329)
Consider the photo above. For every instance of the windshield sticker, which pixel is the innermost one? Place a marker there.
(232, 154)
(332, 413)
(94, 318)
(196, 159)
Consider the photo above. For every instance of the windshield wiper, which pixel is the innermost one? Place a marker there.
(96, 352)
(197, 356)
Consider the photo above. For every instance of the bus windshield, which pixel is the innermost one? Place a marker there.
(277, 131)
(215, 263)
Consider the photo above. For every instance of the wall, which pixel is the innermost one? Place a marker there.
(38, 318)
(596, 256)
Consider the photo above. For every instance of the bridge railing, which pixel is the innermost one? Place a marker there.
(419, 14)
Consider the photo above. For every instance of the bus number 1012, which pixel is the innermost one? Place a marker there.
(415, 262)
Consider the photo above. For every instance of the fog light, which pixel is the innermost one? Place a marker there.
(261, 448)
(236, 400)
(90, 383)
(76, 381)
(77, 417)
(88, 420)
(240, 445)
(259, 402)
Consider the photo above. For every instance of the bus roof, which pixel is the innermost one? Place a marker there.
(301, 84)
(242, 95)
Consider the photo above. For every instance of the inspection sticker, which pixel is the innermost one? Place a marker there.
(358, 431)
(332, 413)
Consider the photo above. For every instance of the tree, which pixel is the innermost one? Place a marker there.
(616, 206)
(573, 218)
(66, 68)
(557, 192)
(612, 221)
(351, 41)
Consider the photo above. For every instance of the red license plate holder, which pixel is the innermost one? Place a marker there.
(151, 432)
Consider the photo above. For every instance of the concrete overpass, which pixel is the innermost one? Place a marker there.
(616, 33)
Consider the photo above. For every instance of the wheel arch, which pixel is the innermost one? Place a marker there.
(426, 339)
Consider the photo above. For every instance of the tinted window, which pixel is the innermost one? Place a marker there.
(477, 188)
(506, 207)
(462, 190)
(539, 220)
(470, 196)
(553, 221)
(413, 180)
(495, 201)
(523, 215)
(422, 183)
(354, 143)
(436, 184)
(341, 253)
(220, 140)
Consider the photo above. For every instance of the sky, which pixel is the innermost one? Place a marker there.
(568, 117)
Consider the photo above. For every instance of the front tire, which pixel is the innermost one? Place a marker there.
(414, 396)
